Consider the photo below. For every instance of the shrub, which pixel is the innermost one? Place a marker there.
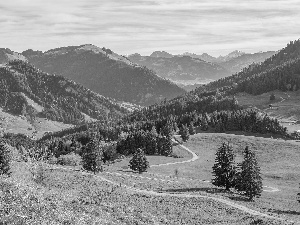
(38, 173)
(272, 97)
(5, 159)
(70, 159)
(139, 161)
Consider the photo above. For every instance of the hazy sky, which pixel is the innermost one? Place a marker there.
(129, 26)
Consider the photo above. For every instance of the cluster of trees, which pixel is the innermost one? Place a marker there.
(245, 177)
(61, 99)
(245, 120)
(150, 141)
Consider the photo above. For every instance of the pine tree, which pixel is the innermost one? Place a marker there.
(92, 157)
(224, 170)
(192, 129)
(249, 179)
(139, 161)
(4, 159)
(167, 147)
(184, 133)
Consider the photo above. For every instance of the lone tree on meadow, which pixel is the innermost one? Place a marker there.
(139, 161)
(184, 133)
(4, 159)
(92, 157)
(249, 179)
(224, 170)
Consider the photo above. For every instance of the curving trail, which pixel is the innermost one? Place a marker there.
(194, 158)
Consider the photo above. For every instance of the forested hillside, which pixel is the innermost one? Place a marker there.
(26, 90)
(106, 73)
(281, 71)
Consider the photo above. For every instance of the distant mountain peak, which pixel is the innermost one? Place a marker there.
(162, 54)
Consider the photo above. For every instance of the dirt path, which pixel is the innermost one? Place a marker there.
(222, 200)
(194, 158)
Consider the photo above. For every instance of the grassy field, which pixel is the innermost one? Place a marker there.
(278, 159)
(35, 129)
(70, 197)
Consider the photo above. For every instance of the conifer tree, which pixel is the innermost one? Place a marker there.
(184, 133)
(167, 147)
(192, 129)
(4, 159)
(224, 169)
(139, 161)
(249, 179)
(92, 157)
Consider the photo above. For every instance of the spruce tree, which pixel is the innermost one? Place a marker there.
(139, 161)
(92, 157)
(224, 169)
(4, 159)
(249, 179)
(167, 147)
(184, 133)
(192, 129)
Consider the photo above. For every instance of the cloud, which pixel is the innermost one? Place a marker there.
(143, 26)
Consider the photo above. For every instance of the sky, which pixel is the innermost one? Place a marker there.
(216, 27)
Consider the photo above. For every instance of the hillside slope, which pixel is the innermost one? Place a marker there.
(281, 71)
(106, 73)
(27, 91)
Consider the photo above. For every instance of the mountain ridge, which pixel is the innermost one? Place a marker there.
(107, 73)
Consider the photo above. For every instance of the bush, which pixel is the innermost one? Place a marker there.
(38, 173)
(272, 97)
(70, 159)
(5, 159)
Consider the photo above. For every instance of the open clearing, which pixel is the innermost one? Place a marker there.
(34, 129)
(279, 166)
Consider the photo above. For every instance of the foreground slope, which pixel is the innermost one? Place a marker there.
(27, 91)
(106, 73)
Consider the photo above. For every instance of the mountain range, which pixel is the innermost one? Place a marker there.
(189, 69)
(101, 70)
